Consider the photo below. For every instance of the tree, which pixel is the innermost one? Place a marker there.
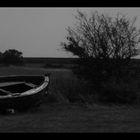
(12, 56)
(104, 44)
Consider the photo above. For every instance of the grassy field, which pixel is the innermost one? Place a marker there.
(58, 114)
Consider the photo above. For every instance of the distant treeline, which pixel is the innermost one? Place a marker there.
(50, 60)
(64, 61)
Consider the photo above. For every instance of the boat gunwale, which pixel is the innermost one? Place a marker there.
(32, 91)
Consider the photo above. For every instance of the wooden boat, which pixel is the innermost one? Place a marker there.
(22, 92)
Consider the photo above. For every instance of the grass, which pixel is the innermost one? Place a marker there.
(72, 118)
(58, 114)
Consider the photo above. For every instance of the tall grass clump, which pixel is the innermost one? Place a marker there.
(118, 92)
(67, 88)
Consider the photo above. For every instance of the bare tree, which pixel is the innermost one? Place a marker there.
(104, 44)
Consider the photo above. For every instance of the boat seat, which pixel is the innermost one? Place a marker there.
(10, 83)
(30, 84)
(5, 91)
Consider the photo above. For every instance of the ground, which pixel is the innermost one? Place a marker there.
(68, 117)
(73, 118)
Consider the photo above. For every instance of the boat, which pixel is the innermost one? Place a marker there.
(21, 92)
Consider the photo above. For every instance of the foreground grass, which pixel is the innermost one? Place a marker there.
(73, 118)
(59, 115)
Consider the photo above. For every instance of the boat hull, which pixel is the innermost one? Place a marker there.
(26, 100)
(23, 103)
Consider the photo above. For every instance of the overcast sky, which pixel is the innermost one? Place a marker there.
(37, 32)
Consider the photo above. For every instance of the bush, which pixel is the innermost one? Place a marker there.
(12, 57)
(103, 44)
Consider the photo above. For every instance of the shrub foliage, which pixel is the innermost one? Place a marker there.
(12, 57)
(104, 46)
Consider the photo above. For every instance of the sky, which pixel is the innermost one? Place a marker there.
(38, 32)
